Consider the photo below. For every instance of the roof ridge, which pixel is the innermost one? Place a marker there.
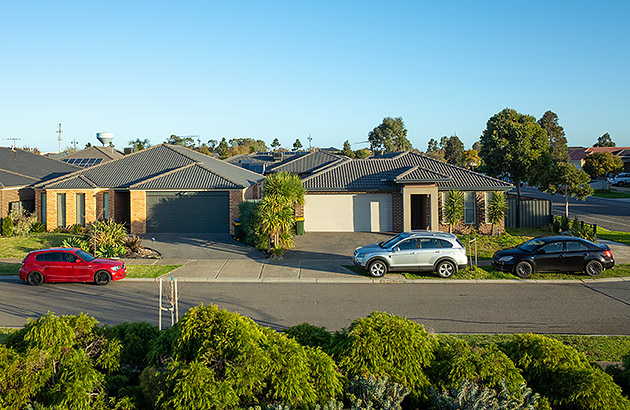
(158, 176)
(456, 166)
(88, 180)
(323, 171)
(18, 174)
(202, 165)
(171, 147)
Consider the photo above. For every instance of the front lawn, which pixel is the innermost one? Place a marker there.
(615, 236)
(20, 246)
(607, 193)
(488, 272)
(8, 269)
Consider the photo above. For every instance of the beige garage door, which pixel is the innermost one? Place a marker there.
(348, 213)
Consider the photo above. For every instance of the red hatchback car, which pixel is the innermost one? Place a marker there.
(69, 265)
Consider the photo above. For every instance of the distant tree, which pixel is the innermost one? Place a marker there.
(239, 146)
(477, 146)
(212, 144)
(567, 180)
(443, 142)
(347, 150)
(602, 164)
(497, 208)
(275, 144)
(88, 145)
(453, 208)
(297, 145)
(555, 135)
(139, 145)
(434, 151)
(513, 145)
(362, 153)
(34, 150)
(188, 142)
(432, 145)
(471, 159)
(222, 148)
(454, 151)
(389, 136)
(605, 141)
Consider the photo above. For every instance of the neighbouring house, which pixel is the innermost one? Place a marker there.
(91, 156)
(261, 161)
(578, 154)
(19, 171)
(393, 193)
(162, 189)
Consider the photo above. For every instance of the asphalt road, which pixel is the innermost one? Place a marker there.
(607, 213)
(566, 308)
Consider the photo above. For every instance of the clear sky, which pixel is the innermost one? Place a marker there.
(331, 69)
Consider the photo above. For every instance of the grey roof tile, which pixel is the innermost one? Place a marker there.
(305, 164)
(193, 176)
(29, 165)
(11, 179)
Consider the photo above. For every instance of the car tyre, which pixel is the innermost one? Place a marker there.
(377, 268)
(102, 278)
(445, 269)
(523, 269)
(594, 268)
(35, 279)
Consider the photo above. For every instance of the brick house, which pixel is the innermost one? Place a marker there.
(162, 189)
(19, 171)
(388, 193)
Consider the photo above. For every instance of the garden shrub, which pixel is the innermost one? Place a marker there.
(132, 243)
(471, 396)
(309, 335)
(564, 223)
(456, 361)
(220, 359)
(65, 360)
(387, 345)
(22, 221)
(375, 393)
(621, 375)
(76, 229)
(563, 375)
(76, 242)
(106, 238)
(251, 223)
(38, 227)
(7, 226)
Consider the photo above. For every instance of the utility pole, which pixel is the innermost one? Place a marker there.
(309, 141)
(59, 131)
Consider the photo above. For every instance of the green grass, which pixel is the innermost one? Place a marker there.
(133, 271)
(606, 193)
(596, 348)
(616, 236)
(149, 271)
(20, 246)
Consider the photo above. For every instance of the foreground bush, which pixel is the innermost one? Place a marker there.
(387, 345)
(223, 360)
(563, 375)
(309, 335)
(471, 396)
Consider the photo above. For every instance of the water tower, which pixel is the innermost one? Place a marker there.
(105, 137)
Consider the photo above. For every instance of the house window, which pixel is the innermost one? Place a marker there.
(106, 205)
(80, 203)
(469, 207)
(61, 210)
(43, 208)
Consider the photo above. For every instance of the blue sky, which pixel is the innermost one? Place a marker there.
(265, 70)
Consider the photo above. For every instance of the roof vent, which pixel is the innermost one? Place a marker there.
(278, 156)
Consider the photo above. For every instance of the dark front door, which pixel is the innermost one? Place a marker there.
(419, 218)
(188, 212)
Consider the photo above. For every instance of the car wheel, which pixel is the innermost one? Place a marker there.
(594, 268)
(445, 269)
(35, 279)
(523, 269)
(377, 268)
(102, 278)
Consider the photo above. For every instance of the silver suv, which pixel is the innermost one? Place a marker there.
(622, 179)
(413, 250)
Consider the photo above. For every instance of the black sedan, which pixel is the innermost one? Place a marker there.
(554, 254)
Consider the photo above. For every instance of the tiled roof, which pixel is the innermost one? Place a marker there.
(25, 168)
(306, 164)
(155, 167)
(261, 161)
(106, 153)
(385, 172)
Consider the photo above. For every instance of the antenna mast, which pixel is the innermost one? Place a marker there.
(309, 141)
(13, 142)
(59, 131)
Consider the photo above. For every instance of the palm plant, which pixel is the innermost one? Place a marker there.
(453, 209)
(497, 207)
(139, 145)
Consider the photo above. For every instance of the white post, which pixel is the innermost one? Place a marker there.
(160, 306)
(176, 302)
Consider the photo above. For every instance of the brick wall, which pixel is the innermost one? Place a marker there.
(236, 197)
(17, 194)
(93, 206)
(397, 212)
(138, 205)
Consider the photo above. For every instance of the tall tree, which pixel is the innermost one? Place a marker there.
(139, 145)
(297, 145)
(454, 151)
(601, 164)
(471, 159)
(605, 141)
(434, 151)
(362, 153)
(275, 144)
(432, 145)
(555, 134)
(476, 146)
(222, 148)
(512, 146)
(389, 136)
(497, 208)
(347, 150)
(567, 180)
(188, 142)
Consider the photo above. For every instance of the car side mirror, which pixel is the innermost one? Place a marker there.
(542, 252)
(396, 249)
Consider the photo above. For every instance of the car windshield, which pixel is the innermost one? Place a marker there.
(531, 244)
(391, 241)
(85, 256)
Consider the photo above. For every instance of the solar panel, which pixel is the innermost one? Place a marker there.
(83, 162)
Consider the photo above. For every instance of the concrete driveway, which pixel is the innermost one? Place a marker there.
(199, 246)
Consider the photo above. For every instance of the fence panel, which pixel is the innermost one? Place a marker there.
(535, 213)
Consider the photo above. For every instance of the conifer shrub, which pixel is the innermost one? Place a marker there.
(387, 345)
(309, 335)
(563, 375)
(7, 226)
(456, 361)
(251, 223)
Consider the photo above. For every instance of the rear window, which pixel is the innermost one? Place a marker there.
(445, 244)
(48, 257)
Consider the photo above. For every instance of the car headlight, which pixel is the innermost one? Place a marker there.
(506, 258)
(115, 268)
